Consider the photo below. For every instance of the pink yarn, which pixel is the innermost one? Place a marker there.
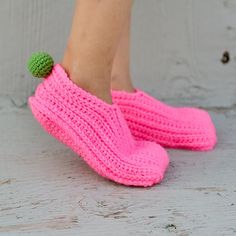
(150, 119)
(96, 131)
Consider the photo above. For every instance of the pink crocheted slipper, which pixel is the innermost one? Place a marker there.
(96, 131)
(150, 119)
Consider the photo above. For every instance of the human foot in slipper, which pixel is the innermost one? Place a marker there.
(96, 131)
(150, 119)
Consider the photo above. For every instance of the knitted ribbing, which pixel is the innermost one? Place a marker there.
(150, 119)
(96, 131)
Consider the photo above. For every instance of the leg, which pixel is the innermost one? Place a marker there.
(93, 42)
(150, 119)
(121, 79)
(94, 129)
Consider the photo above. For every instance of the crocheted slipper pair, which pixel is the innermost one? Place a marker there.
(150, 119)
(96, 131)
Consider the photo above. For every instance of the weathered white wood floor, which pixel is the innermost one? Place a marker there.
(45, 189)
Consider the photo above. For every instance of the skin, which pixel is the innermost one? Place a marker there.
(96, 33)
(120, 77)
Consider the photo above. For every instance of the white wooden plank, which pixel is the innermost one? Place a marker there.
(177, 47)
(45, 189)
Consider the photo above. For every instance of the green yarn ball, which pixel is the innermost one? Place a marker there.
(40, 64)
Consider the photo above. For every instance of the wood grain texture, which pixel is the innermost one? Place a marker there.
(27, 26)
(178, 57)
(45, 189)
(177, 47)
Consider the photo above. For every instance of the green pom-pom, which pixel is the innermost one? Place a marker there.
(40, 64)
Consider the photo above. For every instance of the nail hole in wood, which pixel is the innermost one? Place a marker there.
(225, 57)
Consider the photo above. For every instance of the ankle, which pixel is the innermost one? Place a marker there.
(92, 81)
(122, 82)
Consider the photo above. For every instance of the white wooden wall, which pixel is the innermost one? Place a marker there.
(177, 47)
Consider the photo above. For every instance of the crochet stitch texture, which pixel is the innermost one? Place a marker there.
(96, 131)
(40, 64)
(150, 119)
